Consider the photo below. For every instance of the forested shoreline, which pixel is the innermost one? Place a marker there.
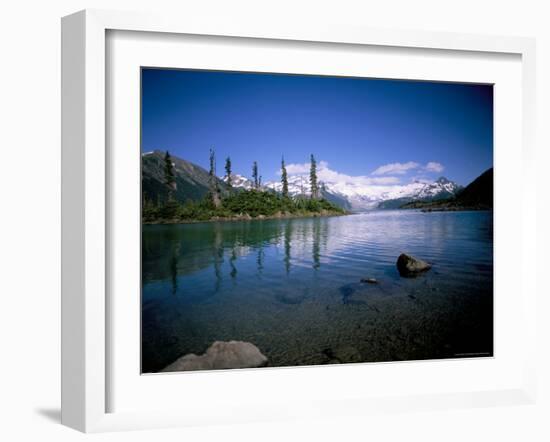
(223, 202)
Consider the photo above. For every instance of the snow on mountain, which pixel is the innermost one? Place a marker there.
(442, 187)
(349, 192)
(360, 193)
(297, 185)
(239, 181)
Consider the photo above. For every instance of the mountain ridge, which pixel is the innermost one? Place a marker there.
(360, 197)
(478, 195)
(193, 183)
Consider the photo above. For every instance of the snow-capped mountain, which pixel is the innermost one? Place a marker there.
(440, 188)
(364, 196)
(297, 185)
(239, 181)
(351, 193)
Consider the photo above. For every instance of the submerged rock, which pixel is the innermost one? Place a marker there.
(221, 355)
(370, 280)
(410, 266)
(342, 355)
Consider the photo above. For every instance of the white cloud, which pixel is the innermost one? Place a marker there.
(376, 185)
(396, 168)
(403, 168)
(432, 166)
(326, 174)
(296, 169)
(329, 175)
(300, 168)
(365, 190)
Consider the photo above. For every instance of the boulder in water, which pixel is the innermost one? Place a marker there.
(410, 266)
(221, 355)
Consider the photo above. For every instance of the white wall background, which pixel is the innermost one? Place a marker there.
(30, 215)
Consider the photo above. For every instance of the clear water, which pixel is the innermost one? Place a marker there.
(292, 288)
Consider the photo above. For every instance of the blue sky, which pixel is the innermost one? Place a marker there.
(386, 130)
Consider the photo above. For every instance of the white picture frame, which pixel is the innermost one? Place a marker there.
(85, 198)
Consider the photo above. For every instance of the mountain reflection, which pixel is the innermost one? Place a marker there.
(234, 252)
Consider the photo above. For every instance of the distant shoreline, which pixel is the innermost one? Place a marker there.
(444, 207)
(311, 215)
(454, 209)
(247, 217)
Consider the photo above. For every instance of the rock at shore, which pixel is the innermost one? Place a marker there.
(410, 266)
(221, 355)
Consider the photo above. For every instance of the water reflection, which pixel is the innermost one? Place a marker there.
(260, 259)
(287, 247)
(315, 248)
(371, 240)
(174, 266)
(232, 260)
(292, 287)
(174, 251)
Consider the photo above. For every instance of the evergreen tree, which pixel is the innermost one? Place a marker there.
(214, 190)
(255, 175)
(170, 207)
(169, 176)
(284, 178)
(313, 178)
(212, 171)
(228, 171)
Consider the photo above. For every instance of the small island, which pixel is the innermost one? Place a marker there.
(175, 191)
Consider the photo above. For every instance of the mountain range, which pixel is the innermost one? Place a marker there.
(478, 195)
(358, 196)
(192, 183)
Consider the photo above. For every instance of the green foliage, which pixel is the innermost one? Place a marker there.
(150, 211)
(169, 210)
(313, 178)
(235, 204)
(198, 211)
(214, 188)
(169, 177)
(245, 204)
(255, 175)
(228, 171)
(284, 178)
(255, 203)
(212, 171)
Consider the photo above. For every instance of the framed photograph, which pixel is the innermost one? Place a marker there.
(274, 222)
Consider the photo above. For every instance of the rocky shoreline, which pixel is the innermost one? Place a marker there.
(241, 354)
(221, 355)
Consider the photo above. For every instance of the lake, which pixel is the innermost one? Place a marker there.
(292, 288)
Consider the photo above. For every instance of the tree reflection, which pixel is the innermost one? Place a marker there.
(287, 247)
(217, 254)
(174, 267)
(232, 260)
(316, 239)
(260, 259)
